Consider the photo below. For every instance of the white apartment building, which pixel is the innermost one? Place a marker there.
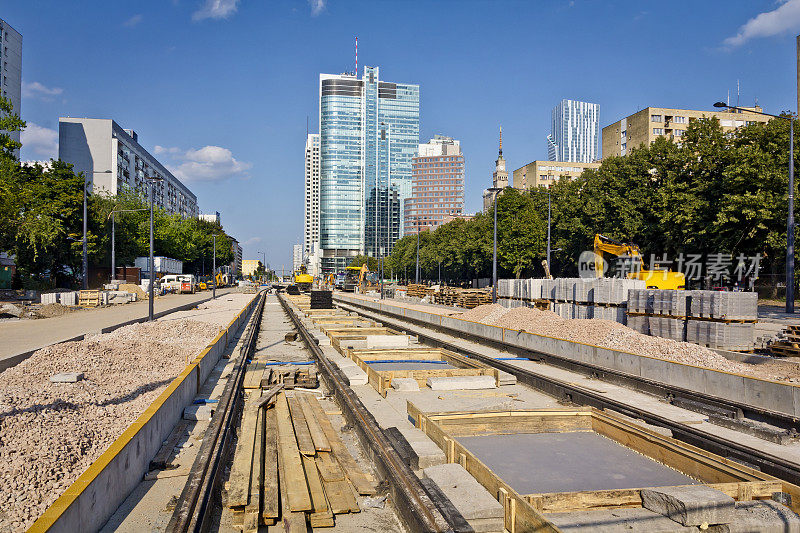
(297, 257)
(112, 158)
(214, 217)
(11, 69)
(575, 132)
(311, 220)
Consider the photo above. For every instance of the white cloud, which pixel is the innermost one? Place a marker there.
(39, 141)
(317, 6)
(784, 18)
(252, 240)
(37, 90)
(159, 150)
(210, 163)
(216, 9)
(133, 21)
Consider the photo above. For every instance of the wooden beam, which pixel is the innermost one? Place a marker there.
(252, 511)
(239, 490)
(318, 502)
(271, 508)
(293, 521)
(293, 479)
(304, 441)
(329, 469)
(363, 484)
(321, 443)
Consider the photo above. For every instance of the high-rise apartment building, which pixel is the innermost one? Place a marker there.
(214, 217)
(311, 210)
(645, 126)
(11, 69)
(112, 158)
(437, 185)
(369, 133)
(575, 131)
(236, 249)
(297, 257)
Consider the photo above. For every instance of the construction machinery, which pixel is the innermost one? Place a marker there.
(658, 278)
(303, 279)
(352, 278)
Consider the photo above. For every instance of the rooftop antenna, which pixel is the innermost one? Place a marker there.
(728, 101)
(356, 72)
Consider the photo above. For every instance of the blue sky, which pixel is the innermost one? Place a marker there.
(220, 89)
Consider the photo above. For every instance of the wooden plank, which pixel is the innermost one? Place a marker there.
(271, 492)
(318, 502)
(269, 396)
(340, 497)
(252, 377)
(293, 521)
(242, 461)
(162, 458)
(293, 479)
(329, 469)
(559, 502)
(252, 510)
(317, 435)
(362, 483)
(304, 441)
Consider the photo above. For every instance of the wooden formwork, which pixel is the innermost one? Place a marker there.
(528, 512)
(338, 334)
(342, 321)
(381, 380)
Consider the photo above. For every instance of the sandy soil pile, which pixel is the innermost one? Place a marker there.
(51, 310)
(51, 432)
(615, 336)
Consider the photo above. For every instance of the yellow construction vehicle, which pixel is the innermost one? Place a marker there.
(303, 279)
(658, 278)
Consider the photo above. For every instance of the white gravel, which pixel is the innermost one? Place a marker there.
(615, 336)
(51, 432)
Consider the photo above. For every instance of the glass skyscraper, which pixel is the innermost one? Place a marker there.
(369, 133)
(575, 132)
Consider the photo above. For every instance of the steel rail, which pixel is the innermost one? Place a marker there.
(411, 501)
(764, 461)
(195, 504)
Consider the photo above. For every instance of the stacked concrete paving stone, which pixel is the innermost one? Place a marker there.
(63, 298)
(723, 320)
(569, 298)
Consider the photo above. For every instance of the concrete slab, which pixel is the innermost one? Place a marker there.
(386, 341)
(474, 502)
(691, 506)
(355, 376)
(66, 377)
(427, 452)
(616, 521)
(198, 412)
(405, 384)
(462, 383)
(573, 461)
(764, 516)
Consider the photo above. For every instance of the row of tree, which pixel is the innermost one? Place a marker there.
(41, 222)
(714, 194)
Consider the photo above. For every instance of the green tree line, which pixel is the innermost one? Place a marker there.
(41, 222)
(714, 192)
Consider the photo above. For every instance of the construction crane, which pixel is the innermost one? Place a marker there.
(658, 278)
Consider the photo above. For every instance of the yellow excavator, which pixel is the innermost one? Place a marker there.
(658, 278)
(303, 279)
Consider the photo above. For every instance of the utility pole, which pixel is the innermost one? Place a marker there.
(214, 267)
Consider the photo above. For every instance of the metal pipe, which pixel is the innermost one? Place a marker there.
(790, 226)
(214, 267)
(85, 257)
(151, 288)
(113, 249)
(494, 254)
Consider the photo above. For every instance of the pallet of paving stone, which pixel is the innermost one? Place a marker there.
(321, 300)
(291, 465)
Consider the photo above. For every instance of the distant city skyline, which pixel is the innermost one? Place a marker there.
(574, 132)
(236, 134)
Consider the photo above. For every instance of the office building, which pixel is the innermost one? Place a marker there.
(236, 249)
(311, 210)
(574, 133)
(545, 173)
(249, 266)
(214, 218)
(437, 185)
(499, 177)
(645, 126)
(369, 134)
(11, 69)
(297, 256)
(112, 159)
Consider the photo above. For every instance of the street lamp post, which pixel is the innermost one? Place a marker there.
(214, 267)
(495, 191)
(85, 254)
(548, 226)
(418, 230)
(790, 215)
(151, 266)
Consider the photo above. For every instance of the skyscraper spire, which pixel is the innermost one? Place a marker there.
(501, 141)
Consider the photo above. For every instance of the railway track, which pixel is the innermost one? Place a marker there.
(574, 393)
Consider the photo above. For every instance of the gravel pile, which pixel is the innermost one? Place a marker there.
(615, 336)
(51, 432)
